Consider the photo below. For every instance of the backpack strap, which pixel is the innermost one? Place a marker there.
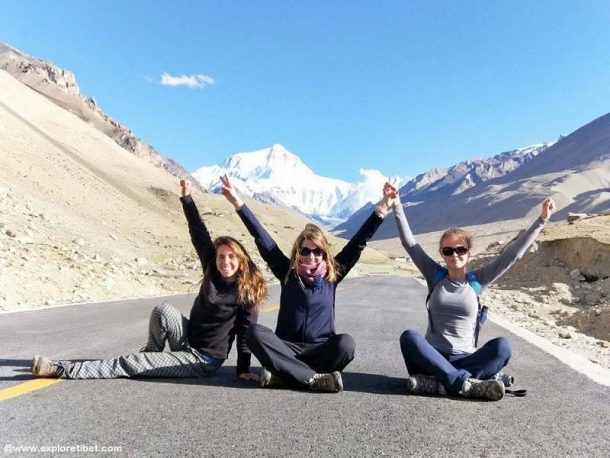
(438, 277)
(483, 309)
(474, 282)
(471, 277)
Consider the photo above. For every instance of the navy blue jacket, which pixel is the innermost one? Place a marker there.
(306, 315)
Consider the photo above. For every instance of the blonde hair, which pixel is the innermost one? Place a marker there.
(251, 286)
(467, 236)
(315, 235)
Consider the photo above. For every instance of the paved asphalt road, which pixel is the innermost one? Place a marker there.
(564, 413)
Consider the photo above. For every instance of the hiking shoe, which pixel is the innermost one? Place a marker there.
(45, 367)
(326, 383)
(507, 379)
(425, 384)
(269, 380)
(492, 390)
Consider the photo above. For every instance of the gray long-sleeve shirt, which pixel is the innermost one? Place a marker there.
(453, 304)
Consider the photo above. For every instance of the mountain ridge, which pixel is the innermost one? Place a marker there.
(61, 87)
(275, 174)
(575, 171)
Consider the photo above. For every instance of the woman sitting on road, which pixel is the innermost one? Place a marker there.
(447, 360)
(305, 348)
(226, 307)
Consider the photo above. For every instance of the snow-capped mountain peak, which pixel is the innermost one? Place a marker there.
(277, 175)
(274, 162)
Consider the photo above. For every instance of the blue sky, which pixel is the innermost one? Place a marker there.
(398, 86)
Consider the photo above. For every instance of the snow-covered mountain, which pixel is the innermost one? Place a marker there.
(276, 175)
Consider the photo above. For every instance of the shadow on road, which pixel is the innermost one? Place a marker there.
(373, 383)
(21, 366)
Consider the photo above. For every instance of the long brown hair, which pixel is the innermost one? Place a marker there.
(251, 286)
(316, 235)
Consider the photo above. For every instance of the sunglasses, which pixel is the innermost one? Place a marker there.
(449, 250)
(304, 251)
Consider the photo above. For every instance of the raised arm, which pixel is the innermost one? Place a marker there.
(270, 252)
(426, 265)
(516, 249)
(200, 237)
(350, 254)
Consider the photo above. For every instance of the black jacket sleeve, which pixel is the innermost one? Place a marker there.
(349, 255)
(199, 233)
(270, 252)
(245, 318)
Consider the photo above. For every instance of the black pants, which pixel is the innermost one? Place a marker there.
(299, 361)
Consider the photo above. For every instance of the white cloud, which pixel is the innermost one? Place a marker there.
(371, 185)
(369, 189)
(198, 81)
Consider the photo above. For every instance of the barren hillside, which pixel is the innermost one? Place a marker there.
(83, 219)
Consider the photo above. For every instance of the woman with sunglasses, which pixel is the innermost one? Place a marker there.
(446, 360)
(305, 349)
(227, 305)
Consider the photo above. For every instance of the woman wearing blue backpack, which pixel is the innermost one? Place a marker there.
(446, 360)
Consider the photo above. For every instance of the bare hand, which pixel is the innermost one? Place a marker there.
(230, 193)
(390, 193)
(249, 376)
(185, 187)
(548, 207)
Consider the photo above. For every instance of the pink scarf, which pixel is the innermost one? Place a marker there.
(313, 273)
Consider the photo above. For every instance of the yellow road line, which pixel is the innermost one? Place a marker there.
(271, 308)
(27, 387)
(39, 383)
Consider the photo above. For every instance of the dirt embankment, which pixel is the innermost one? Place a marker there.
(561, 287)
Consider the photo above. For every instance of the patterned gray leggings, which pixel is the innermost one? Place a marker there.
(166, 324)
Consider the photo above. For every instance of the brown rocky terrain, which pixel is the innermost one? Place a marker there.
(60, 87)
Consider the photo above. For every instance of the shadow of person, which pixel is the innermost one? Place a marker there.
(20, 366)
(225, 376)
(373, 383)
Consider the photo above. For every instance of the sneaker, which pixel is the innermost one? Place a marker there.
(326, 383)
(425, 384)
(45, 367)
(492, 390)
(507, 379)
(269, 380)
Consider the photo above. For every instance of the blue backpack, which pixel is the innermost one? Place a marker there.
(474, 283)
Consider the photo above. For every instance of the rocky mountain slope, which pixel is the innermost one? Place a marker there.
(575, 171)
(467, 174)
(84, 219)
(60, 86)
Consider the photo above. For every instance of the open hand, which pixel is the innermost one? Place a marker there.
(249, 376)
(230, 192)
(548, 207)
(185, 187)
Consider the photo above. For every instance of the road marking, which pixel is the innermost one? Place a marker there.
(38, 384)
(271, 308)
(27, 387)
